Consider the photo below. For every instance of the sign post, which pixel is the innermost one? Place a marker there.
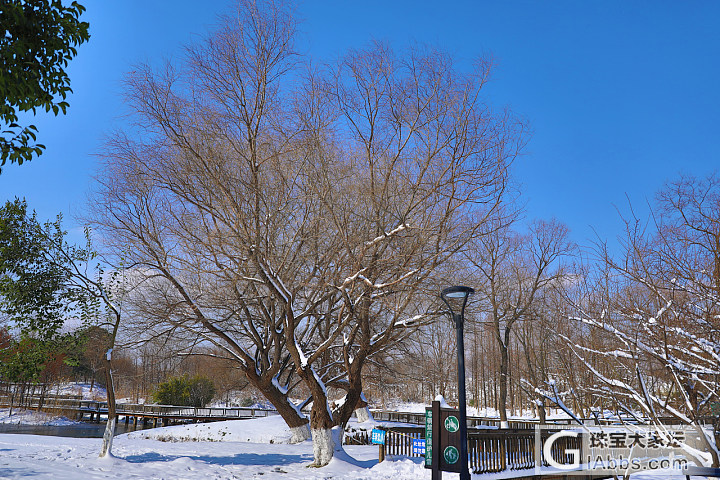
(377, 437)
(443, 441)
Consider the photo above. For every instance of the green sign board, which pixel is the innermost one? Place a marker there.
(442, 440)
(428, 437)
(451, 455)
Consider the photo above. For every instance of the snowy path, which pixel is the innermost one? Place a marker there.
(56, 458)
(244, 449)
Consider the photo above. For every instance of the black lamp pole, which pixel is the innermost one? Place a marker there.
(458, 296)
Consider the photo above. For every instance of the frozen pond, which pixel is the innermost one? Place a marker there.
(79, 430)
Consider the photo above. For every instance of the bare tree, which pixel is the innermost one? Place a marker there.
(296, 219)
(663, 309)
(207, 189)
(93, 293)
(512, 270)
(536, 339)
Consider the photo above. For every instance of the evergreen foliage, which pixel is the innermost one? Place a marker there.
(35, 266)
(186, 391)
(39, 39)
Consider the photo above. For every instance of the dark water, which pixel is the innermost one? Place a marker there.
(80, 430)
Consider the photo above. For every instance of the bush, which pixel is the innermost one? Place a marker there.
(185, 391)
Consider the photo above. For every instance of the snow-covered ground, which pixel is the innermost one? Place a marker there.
(241, 449)
(88, 391)
(224, 450)
(24, 417)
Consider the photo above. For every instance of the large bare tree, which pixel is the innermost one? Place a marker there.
(296, 218)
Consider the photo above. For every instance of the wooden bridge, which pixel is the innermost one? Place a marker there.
(154, 415)
(492, 449)
(161, 415)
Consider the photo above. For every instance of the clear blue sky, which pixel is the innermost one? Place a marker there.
(621, 95)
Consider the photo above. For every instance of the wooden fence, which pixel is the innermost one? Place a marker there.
(489, 451)
(82, 409)
(419, 419)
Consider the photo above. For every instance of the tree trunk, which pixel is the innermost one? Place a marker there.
(327, 444)
(353, 396)
(112, 417)
(362, 412)
(502, 400)
(321, 424)
(541, 410)
(290, 413)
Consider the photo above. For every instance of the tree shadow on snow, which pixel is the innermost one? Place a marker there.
(237, 459)
(17, 472)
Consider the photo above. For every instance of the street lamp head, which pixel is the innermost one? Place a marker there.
(456, 298)
(457, 292)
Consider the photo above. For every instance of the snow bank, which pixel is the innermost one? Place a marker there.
(260, 430)
(96, 393)
(31, 417)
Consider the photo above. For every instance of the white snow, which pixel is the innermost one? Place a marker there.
(240, 449)
(485, 412)
(195, 451)
(443, 403)
(25, 417)
(83, 389)
(261, 430)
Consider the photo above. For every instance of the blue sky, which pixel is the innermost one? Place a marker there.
(621, 95)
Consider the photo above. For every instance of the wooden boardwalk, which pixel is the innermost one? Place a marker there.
(157, 415)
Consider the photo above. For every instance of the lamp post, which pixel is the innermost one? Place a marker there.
(456, 298)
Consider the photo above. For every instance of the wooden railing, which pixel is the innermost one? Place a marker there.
(419, 419)
(489, 451)
(141, 410)
(38, 401)
(398, 440)
(500, 450)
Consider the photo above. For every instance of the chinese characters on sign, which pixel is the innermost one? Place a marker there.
(418, 446)
(640, 439)
(377, 436)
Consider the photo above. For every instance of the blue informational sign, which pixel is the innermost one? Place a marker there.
(377, 436)
(418, 446)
